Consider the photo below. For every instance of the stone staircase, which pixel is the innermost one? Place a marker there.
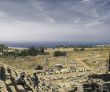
(8, 82)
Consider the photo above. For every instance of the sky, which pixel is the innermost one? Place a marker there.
(55, 20)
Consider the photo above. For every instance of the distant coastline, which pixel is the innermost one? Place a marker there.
(49, 44)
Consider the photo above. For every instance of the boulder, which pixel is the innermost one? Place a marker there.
(38, 67)
(58, 66)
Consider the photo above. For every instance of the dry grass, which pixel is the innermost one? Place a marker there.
(92, 56)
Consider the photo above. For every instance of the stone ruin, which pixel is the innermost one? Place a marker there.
(56, 78)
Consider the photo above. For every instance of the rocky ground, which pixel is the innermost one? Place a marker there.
(76, 67)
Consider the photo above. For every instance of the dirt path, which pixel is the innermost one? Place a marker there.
(85, 65)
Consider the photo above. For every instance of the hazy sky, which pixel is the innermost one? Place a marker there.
(55, 20)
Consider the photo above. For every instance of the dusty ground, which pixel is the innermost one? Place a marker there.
(91, 56)
(93, 59)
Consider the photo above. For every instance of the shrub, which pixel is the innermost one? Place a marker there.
(76, 49)
(59, 53)
(82, 49)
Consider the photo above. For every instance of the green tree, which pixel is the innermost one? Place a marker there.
(32, 51)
